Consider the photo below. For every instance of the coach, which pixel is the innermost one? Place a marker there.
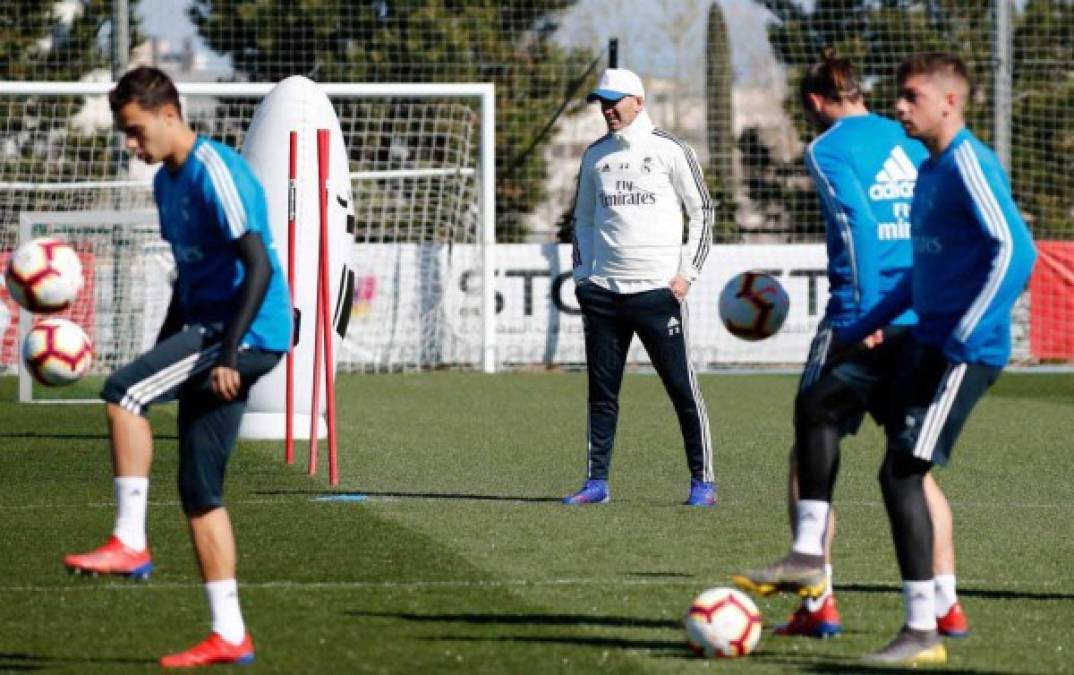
(633, 272)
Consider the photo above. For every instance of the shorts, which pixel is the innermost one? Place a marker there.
(933, 399)
(869, 373)
(179, 368)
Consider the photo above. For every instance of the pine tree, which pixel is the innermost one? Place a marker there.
(719, 177)
(415, 41)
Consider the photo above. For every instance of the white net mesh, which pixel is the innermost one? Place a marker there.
(414, 172)
(126, 267)
(720, 75)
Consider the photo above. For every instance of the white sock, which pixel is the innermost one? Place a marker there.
(945, 594)
(814, 604)
(812, 516)
(920, 597)
(132, 495)
(224, 606)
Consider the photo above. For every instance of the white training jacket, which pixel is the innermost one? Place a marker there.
(634, 186)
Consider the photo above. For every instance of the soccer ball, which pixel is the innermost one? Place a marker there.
(57, 351)
(722, 622)
(753, 305)
(44, 275)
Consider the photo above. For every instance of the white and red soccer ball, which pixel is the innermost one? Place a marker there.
(753, 305)
(722, 623)
(44, 275)
(57, 351)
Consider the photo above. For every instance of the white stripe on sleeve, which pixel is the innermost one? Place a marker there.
(224, 186)
(981, 192)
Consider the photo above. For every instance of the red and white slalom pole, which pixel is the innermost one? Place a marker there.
(323, 146)
(292, 179)
(323, 327)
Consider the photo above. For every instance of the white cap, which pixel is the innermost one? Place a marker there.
(616, 83)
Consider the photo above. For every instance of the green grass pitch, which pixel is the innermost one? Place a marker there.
(462, 560)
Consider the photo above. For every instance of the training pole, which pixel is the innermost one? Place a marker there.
(318, 339)
(292, 177)
(324, 316)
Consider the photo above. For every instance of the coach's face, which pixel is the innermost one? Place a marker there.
(149, 133)
(619, 114)
(923, 106)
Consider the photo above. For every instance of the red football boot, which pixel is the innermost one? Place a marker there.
(212, 651)
(823, 623)
(112, 558)
(954, 623)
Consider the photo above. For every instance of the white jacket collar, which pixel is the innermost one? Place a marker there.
(638, 130)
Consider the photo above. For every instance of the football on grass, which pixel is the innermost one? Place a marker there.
(722, 622)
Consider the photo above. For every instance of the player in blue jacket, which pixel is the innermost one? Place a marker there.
(973, 256)
(864, 167)
(228, 323)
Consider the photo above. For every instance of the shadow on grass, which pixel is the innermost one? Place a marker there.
(23, 661)
(417, 495)
(73, 436)
(54, 436)
(534, 619)
(853, 666)
(990, 593)
(671, 648)
(676, 649)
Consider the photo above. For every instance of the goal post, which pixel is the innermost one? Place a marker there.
(422, 170)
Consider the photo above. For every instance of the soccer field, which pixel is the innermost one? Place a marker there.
(462, 559)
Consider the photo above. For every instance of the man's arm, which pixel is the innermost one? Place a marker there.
(697, 205)
(258, 271)
(846, 208)
(242, 214)
(1012, 258)
(582, 217)
(897, 301)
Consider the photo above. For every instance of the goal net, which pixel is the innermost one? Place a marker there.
(418, 155)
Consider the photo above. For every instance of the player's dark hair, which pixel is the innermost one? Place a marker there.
(934, 63)
(151, 88)
(834, 77)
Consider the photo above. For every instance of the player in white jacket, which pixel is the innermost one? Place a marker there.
(632, 272)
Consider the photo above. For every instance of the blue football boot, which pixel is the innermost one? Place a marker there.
(593, 492)
(701, 493)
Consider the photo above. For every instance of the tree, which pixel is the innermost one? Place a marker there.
(36, 43)
(415, 41)
(877, 35)
(720, 176)
(1042, 125)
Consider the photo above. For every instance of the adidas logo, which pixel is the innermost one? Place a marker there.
(896, 179)
(674, 327)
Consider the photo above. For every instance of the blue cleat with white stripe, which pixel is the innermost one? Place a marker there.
(593, 492)
(701, 493)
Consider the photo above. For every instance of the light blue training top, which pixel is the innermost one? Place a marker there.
(211, 201)
(973, 256)
(864, 168)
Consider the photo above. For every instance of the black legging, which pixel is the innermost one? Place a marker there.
(902, 479)
(819, 412)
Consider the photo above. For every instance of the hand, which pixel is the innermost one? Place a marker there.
(874, 340)
(225, 382)
(679, 287)
(837, 351)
